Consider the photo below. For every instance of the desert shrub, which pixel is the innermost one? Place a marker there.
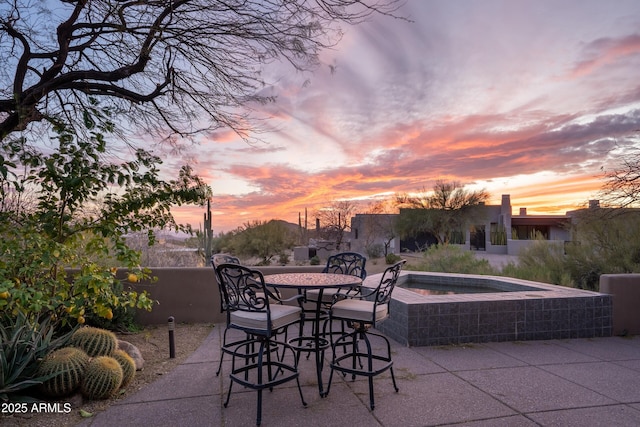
(375, 250)
(283, 258)
(392, 259)
(543, 261)
(315, 260)
(452, 259)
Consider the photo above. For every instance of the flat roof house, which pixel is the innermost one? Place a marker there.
(500, 232)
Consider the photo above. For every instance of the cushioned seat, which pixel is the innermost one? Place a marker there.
(281, 315)
(354, 309)
(327, 295)
(349, 263)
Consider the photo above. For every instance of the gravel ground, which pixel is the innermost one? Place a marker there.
(153, 342)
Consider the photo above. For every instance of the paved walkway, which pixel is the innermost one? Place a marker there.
(581, 382)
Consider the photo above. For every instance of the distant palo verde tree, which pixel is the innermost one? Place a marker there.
(448, 208)
(263, 239)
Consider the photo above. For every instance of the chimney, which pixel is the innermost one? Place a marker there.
(523, 211)
(594, 204)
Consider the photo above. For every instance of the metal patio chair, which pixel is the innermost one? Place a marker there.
(363, 312)
(248, 303)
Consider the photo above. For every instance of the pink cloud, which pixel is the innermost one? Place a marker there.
(605, 52)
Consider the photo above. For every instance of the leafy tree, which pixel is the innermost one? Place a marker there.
(170, 67)
(449, 208)
(83, 208)
(263, 239)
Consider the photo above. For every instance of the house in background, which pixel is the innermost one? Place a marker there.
(500, 233)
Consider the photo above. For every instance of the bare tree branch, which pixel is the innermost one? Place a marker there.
(171, 67)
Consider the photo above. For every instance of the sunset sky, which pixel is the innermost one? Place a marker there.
(527, 98)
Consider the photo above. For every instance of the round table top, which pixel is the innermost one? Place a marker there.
(312, 280)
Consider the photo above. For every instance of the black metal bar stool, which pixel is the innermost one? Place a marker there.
(248, 301)
(362, 313)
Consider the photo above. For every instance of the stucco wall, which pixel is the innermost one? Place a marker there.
(191, 295)
(625, 291)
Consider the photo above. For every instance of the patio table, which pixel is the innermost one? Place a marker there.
(315, 343)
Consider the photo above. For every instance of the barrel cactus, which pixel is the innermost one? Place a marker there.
(70, 364)
(95, 341)
(102, 378)
(128, 366)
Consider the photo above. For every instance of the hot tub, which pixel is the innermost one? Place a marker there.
(517, 310)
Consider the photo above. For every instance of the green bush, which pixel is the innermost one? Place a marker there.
(70, 209)
(22, 344)
(34, 275)
(283, 258)
(315, 260)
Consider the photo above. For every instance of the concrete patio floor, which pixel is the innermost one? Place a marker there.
(578, 382)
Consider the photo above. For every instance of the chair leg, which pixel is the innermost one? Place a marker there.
(361, 348)
(365, 338)
(260, 367)
(355, 354)
(263, 368)
(226, 402)
(224, 343)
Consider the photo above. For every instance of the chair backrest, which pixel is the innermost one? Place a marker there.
(243, 288)
(351, 263)
(216, 260)
(388, 282)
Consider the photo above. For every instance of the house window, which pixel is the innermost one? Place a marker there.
(498, 234)
(530, 232)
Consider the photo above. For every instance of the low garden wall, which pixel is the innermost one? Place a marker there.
(625, 292)
(191, 295)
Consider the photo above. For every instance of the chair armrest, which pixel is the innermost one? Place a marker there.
(371, 291)
(355, 293)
